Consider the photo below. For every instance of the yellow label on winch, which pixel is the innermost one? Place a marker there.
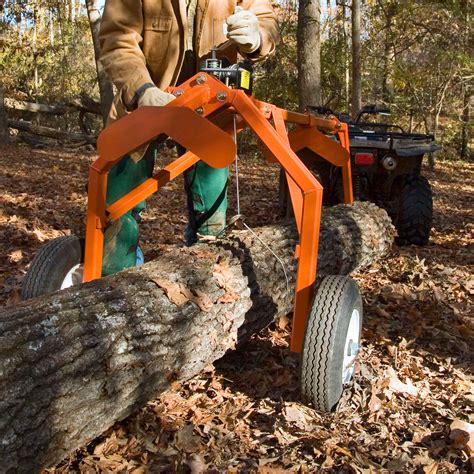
(245, 79)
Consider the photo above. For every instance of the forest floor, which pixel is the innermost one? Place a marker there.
(409, 408)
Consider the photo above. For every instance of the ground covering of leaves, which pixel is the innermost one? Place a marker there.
(410, 408)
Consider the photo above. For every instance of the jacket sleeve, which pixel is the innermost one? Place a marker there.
(120, 40)
(268, 26)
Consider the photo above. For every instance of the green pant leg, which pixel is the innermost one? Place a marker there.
(121, 238)
(207, 200)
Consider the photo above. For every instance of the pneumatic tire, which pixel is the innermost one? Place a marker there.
(415, 212)
(331, 343)
(56, 266)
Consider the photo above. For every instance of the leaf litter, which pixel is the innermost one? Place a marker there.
(410, 408)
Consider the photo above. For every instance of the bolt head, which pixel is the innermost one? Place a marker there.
(178, 92)
(201, 79)
(199, 110)
(221, 96)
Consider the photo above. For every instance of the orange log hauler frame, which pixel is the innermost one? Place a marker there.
(199, 120)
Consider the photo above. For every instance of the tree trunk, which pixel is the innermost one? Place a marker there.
(345, 53)
(466, 123)
(356, 66)
(4, 133)
(309, 53)
(105, 84)
(76, 361)
(51, 132)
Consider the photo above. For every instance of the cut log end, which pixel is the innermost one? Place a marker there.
(75, 362)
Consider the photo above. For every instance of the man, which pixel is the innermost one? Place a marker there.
(148, 45)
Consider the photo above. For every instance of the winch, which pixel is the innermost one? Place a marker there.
(236, 76)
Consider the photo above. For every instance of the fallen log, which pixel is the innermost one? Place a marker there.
(34, 107)
(82, 103)
(75, 362)
(85, 103)
(51, 132)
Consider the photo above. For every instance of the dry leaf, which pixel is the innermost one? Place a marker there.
(224, 276)
(397, 386)
(180, 295)
(173, 291)
(462, 434)
(15, 256)
(186, 440)
(296, 415)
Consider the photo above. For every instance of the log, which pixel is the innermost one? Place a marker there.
(75, 362)
(82, 103)
(51, 132)
(35, 108)
(85, 103)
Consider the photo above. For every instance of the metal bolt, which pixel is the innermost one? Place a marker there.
(178, 92)
(201, 79)
(199, 110)
(338, 125)
(221, 96)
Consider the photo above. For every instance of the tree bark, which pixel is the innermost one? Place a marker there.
(309, 53)
(51, 132)
(105, 84)
(76, 361)
(356, 66)
(4, 133)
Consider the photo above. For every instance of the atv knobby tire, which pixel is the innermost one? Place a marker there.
(51, 264)
(322, 360)
(415, 211)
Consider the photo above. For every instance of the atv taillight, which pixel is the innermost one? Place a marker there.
(364, 159)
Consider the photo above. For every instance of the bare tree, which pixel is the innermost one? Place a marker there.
(309, 53)
(105, 84)
(356, 66)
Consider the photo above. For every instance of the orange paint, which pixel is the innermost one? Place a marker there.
(201, 120)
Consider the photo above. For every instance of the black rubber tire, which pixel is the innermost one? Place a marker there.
(50, 266)
(323, 348)
(415, 212)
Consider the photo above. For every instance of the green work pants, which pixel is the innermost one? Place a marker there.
(206, 190)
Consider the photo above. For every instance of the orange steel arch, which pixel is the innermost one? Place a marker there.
(200, 120)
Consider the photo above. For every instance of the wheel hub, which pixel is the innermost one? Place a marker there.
(73, 276)
(351, 347)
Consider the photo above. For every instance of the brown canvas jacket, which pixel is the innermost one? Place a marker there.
(143, 41)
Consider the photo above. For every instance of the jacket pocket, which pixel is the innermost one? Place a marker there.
(156, 38)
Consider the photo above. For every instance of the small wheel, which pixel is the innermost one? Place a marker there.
(332, 342)
(415, 212)
(58, 265)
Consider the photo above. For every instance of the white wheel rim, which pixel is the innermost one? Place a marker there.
(351, 347)
(73, 276)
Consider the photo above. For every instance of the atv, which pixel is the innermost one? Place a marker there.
(386, 169)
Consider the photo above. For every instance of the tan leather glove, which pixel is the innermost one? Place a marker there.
(244, 30)
(155, 97)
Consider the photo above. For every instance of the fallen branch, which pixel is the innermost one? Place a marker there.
(86, 104)
(75, 362)
(51, 132)
(35, 108)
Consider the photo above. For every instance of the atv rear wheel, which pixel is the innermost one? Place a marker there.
(58, 265)
(415, 211)
(332, 342)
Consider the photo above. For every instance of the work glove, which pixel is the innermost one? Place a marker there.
(155, 97)
(243, 29)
